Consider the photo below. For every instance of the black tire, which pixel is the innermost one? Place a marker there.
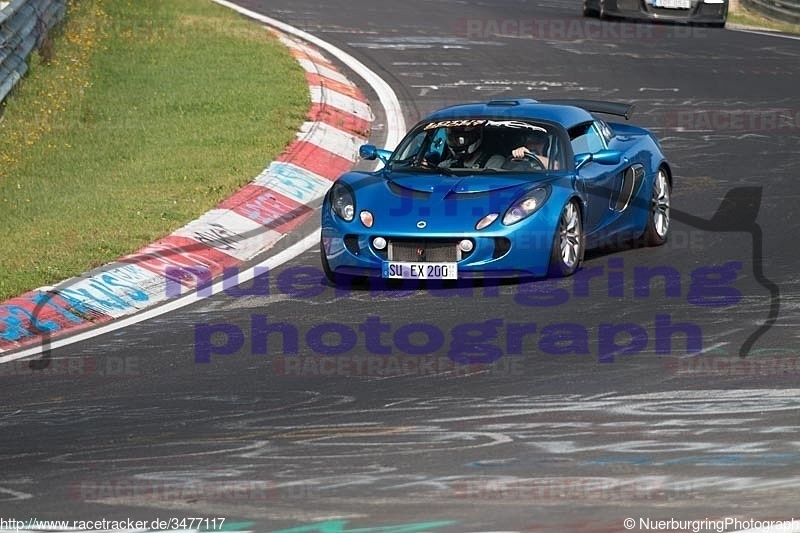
(658, 219)
(569, 243)
(588, 11)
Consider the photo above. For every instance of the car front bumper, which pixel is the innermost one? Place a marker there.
(699, 12)
(520, 250)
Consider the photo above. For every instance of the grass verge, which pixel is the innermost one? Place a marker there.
(745, 17)
(135, 118)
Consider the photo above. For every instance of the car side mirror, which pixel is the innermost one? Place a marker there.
(370, 152)
(604, 157)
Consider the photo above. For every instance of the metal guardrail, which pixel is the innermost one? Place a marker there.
(780, 10)
(23, 26)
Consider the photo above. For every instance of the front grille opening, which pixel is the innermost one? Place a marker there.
(351, 243)
(501, 247)
(425, 251)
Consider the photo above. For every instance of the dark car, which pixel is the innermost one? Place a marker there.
(709, 12)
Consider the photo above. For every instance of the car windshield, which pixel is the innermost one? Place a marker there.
(480, 145)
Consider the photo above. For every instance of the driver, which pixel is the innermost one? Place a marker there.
(463, 143)
(535, 144)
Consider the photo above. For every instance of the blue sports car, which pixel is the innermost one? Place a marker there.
(504, 188)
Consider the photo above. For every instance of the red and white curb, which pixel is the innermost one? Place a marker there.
(240, 228)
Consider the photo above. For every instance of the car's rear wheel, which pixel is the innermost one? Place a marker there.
(658, 220)
(569, 243)
(589, 11)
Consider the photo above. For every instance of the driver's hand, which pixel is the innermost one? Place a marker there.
(519, 153)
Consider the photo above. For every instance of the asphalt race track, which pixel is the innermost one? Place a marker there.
(559, 429)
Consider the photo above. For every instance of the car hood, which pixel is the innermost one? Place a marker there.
(448, 204)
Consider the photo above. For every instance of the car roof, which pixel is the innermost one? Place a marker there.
(518, 108)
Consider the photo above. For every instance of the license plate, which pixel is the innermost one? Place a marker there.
(411, 270)
(673, 4)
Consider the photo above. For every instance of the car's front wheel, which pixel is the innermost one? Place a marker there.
(658, 220)
(569, 243)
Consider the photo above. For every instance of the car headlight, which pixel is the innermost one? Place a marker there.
(525, 206)
(343, 202)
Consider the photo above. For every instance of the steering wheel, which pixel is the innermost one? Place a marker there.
(529, 159)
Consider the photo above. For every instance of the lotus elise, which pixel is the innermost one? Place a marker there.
(505, 188)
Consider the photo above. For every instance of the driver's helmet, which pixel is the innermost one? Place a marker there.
(464, 140)
(537, 142)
